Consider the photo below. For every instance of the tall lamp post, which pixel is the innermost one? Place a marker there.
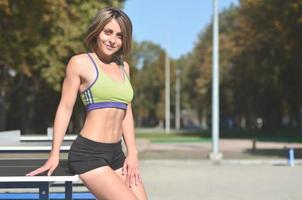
(215, 154)
(167, 92)
(177, 99)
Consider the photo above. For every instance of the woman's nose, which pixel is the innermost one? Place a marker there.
(112, 39)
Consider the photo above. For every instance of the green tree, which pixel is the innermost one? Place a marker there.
(149, 84)
(267, 71)
(197, 70)
(39, 38)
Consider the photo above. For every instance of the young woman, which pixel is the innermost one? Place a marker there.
(102, 79)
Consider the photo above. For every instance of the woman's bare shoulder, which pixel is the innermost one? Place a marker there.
(127, 68)
(79, 59)
(126, 64)
(77, 63)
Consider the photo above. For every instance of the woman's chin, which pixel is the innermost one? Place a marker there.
(109, 52)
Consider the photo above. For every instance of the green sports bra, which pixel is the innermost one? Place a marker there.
(104, 92)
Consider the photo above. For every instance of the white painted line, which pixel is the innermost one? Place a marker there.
(46, 138)
(31, 148)
(38, 178)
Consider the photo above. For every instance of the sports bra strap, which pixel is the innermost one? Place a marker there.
(95, 66)
(92, 60)
(123, 68)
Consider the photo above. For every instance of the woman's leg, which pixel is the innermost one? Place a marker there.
(138, 190)
(105, 184)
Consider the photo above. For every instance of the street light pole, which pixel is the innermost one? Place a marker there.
(167, 93)
(177, 99)
(215, 155)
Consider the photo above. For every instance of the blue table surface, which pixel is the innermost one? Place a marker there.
(17, 196)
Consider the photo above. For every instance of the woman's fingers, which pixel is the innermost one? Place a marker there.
(129, 176)
(44, 168)
(50, 171)
(132, 174)
(137, 177)
(37, 171)
(124, 169)
(133, 177)
(49, 166)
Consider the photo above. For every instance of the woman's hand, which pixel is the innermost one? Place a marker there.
(50, 165)
(130, 169)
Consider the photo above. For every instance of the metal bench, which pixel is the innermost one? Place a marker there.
(13, 175)
(11, 141)
(31, 148)
(35, 138)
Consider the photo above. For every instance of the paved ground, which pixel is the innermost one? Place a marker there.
(202, 180)
(182, 179)
(230, 148)
(249, 171)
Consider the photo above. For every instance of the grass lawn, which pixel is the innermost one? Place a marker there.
(173, 137)
(205, 136)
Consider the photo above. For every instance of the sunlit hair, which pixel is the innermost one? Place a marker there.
(103, 17)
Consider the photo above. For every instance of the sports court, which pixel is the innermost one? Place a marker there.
(201, 179)
(190, 175)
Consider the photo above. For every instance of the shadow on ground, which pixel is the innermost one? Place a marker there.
(274, 152)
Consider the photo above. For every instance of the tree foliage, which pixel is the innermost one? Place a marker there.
(149, 83)
(37, 39)
(267, 66)
(260, 63)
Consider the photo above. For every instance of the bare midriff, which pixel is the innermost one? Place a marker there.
(104, 125)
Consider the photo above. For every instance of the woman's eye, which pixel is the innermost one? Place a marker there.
(107, 32)
(119, 36)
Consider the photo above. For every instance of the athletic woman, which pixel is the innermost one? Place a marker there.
(102, 79)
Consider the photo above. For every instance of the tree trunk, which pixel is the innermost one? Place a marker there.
(2, 113)
(300, 120)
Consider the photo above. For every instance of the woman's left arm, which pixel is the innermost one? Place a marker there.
(130, 168)
(129, 132)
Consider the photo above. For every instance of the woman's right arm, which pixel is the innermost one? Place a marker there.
(69, 92)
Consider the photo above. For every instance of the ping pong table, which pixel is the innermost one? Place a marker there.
(13, 175)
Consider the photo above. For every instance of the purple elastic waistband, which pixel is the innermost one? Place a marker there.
(93, 106)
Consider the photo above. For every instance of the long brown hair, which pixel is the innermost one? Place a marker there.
(99, 22)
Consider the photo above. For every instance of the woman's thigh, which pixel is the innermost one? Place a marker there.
(138, 190)
(105, 184)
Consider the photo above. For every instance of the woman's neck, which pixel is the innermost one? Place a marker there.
(103, 58)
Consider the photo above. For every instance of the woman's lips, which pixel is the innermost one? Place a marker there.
(109, 47)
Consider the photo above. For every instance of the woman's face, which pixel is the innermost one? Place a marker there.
(110, 38)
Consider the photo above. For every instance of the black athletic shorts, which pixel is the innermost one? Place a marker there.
(86, 155)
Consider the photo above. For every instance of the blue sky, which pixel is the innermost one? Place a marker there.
(173, 24)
